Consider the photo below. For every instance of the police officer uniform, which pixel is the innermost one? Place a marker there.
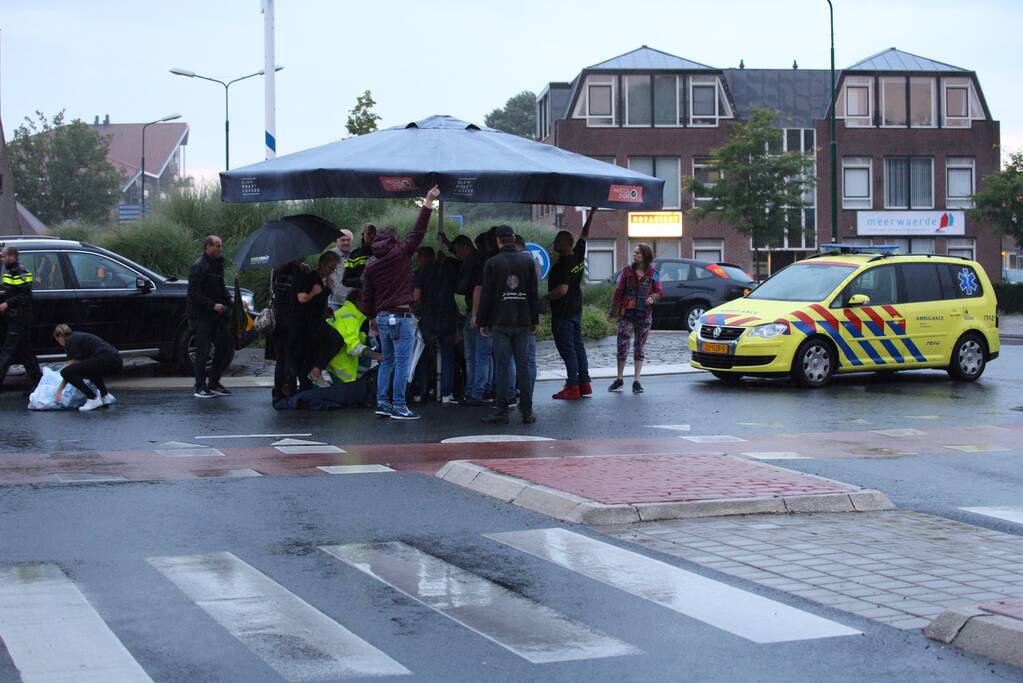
(17, 343)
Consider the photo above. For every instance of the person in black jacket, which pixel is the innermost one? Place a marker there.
(89, 358)
(207, 309)
(509, 312)
(357, 259)
(16, 308)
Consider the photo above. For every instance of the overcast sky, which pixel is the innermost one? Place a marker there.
(455, 57)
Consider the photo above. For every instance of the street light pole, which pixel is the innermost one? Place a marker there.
(142, 167)
(227, 103)
(834, 141)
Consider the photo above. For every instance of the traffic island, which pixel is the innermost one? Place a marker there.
(992, 630)
(625, 489)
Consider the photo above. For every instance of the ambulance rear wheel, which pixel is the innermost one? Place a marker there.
(813, 364)
(969, 357)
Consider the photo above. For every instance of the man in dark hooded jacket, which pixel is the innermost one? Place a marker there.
(387, 297)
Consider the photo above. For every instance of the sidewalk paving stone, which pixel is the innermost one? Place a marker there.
(902, 568)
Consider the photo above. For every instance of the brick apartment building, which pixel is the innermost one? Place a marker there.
(915, 137)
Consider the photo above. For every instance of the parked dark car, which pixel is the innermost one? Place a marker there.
(692, 288)
(94, 290)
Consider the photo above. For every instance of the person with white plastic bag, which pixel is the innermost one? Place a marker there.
(89, 358)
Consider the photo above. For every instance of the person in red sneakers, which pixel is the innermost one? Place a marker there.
(564, 287)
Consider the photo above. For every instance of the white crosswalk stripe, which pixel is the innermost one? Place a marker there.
(1005, 512)
(52, 633)
(262, 614)
(531, 630)
(731, 609)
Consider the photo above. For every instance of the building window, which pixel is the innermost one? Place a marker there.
(855, 104)
(857, 183)
(893, 102)
(709, 250)
(543, 117)
(666, 100)
(707, 100)
(959, 182)
(600, 260)
(908, 183)
(637, 101)
(667, 169)
(597, 102)
(965, 247)
(804, 140)
(962, 105)
(922, 102)
(705, 172)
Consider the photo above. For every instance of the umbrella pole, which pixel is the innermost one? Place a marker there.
(440, 228)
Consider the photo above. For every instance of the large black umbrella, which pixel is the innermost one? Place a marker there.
(469, 163)
(288, 239)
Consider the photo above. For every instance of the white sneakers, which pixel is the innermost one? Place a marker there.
(108, 399)
(92, 404)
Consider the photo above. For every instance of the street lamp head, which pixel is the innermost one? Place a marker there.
(170, 117)
(182, 72)
(278, 68)
(262, 72)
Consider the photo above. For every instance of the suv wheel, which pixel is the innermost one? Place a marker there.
(185, 353)
(693, 315)
(813, 364)
(969, 357)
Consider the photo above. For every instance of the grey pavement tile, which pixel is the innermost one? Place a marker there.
(910, 624)
(879, 612)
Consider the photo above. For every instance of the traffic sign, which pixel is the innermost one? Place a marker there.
(542, 258)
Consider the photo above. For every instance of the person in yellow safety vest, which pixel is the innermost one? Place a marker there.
(348, 321)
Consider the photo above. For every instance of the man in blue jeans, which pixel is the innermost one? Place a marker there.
(565, 294)
(434, 285)
(387, 297)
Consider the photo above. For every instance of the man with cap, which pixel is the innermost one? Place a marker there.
(509, 313)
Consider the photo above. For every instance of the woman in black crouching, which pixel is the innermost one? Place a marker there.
(89, 358)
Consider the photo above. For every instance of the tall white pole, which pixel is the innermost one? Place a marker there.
(269, 71)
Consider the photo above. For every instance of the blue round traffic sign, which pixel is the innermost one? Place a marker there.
(542, 258)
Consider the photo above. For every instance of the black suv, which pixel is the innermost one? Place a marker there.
(94, 290)
(691, 288)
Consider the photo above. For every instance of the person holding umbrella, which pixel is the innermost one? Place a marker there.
(387, 297)
(207, 308)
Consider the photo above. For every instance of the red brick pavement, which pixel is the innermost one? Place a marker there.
(1009, 608)
(663, 478)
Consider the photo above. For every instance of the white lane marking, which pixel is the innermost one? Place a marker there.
(674, 428)
(1005, 512)
(489, 438)
(241, 473)
(977, 448)
(298, 442)
(859, 421)
(53, 634)
(761, 424)
(85, 478)
(897, 433)
(294, 638)
(354, 469)
(309, 450)
(776, 455)
(533, 631)
(249, 436)
(923, 417)
(713, 438)
(737, 611)
(193, 452)
(169, 445)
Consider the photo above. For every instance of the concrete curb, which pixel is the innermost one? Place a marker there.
(569, 507)
(980, 632)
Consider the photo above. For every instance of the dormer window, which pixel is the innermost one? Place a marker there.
(855, 104)
(707, 100)
(597, 101)
(961, 105)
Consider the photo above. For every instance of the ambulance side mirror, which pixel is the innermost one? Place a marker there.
(859, 300)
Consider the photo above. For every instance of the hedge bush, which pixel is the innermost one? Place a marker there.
(1010, 297)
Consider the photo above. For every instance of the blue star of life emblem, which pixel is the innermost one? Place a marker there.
(968, 282)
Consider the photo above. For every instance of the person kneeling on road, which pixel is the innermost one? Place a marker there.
(509, 314)
(351, 386)
(89, 358)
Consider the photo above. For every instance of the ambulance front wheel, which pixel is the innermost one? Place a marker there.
(813, 364)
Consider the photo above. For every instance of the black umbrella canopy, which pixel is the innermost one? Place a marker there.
(288, 239)
(469, 163)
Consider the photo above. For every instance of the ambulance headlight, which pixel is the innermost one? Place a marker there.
(769, 330)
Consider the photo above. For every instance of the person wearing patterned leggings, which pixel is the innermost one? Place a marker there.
(639, 286)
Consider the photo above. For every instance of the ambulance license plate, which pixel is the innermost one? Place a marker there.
(715, 348)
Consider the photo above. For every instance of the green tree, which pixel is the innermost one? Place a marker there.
(1001, 201)
(517, 116)
(61, 172)
(362, 119)
(759, 192)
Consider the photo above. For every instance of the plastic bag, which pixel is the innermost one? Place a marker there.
(42, 397)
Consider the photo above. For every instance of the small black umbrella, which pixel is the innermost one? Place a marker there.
(288, 239)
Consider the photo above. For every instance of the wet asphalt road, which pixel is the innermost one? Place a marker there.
(102, 534)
